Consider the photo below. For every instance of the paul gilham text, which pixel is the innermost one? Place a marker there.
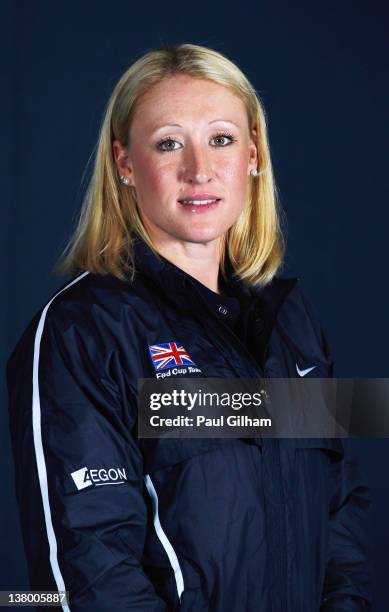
(234, 420)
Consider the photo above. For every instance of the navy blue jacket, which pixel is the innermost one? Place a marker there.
(194, 525)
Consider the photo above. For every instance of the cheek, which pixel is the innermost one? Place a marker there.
(151, 180)
(237, 182)
(235, 171)
(155, 188)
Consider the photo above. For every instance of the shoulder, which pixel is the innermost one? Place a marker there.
(86, 293)
(93, 301)
(299, 314)
(296, 318)
(288, 301)
(82, 306)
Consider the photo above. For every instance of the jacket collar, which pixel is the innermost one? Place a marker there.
(178, 286)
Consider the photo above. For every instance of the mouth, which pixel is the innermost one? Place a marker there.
(200, 205)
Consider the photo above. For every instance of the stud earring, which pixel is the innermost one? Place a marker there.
(254, 172)
(124, 180)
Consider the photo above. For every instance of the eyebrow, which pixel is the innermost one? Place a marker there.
(159, 127)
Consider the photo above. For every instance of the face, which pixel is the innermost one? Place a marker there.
(189, 158)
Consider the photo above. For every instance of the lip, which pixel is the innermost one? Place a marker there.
(199, 196)
(199, 208)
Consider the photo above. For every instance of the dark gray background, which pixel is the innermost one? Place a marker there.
(320, 69)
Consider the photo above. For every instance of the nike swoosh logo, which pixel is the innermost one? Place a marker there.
(304, 372)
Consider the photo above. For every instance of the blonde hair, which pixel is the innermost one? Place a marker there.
(109, 220)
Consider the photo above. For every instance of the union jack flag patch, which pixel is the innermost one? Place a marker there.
(169, 354)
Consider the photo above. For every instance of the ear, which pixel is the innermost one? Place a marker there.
(122, 161)
(253, 151)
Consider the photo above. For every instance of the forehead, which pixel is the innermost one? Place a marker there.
(181, 98)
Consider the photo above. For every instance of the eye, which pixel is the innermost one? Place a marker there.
(223, 136)
(167, 144)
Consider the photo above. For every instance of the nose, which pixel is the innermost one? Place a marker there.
(197, 164)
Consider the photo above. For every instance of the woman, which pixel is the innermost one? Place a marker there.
(176, 253)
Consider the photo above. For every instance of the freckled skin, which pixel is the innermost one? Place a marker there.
(200, 162)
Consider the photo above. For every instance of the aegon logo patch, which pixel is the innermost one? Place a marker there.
(86, 477)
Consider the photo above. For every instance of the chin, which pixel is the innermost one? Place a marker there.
(201, 236)
(202, 233)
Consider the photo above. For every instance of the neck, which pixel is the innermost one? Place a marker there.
(200, 260)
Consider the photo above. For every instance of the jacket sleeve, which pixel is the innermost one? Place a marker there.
(348, 566)
(347, 579)
(78, 468)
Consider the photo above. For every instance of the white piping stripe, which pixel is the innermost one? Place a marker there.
(104, 484)
(164, 540)
(39, 454)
